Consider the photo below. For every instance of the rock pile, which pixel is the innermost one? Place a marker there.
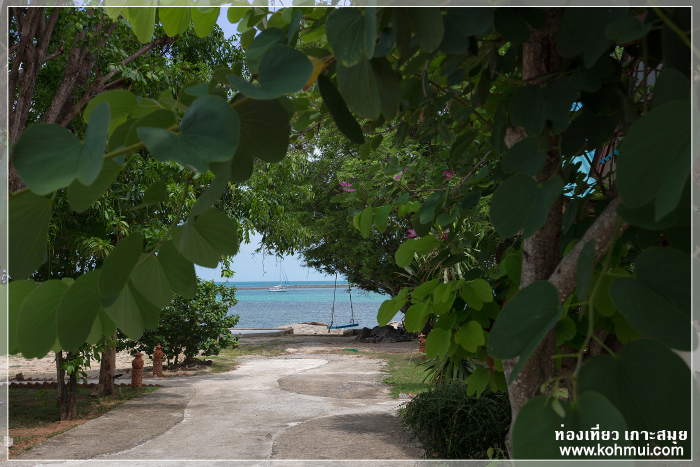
(387, 334)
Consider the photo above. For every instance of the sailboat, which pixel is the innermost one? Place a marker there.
(278, 288)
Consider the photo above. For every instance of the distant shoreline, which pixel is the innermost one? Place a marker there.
(307, 286)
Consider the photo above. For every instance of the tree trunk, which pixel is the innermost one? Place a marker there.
(66, 394)
(541, 250)
(108, 366)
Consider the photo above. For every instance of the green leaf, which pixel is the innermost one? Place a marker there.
(470, 200)
(523, 323)
(425, 289)
(602, 301)
(417, 315)
(579, 27)
(388, 309)
(264, 130)
(511, 24)
(222, 172)
(470, 297)
(447, 218)
(428, 26)
(380, 218)
(208, 133)
(261, 44)
(142, 20)
(347, 36)
(427, 212)
(641, 176)
(460, 24)
(388, 86)
(36, 323)
(365, 150)
(48, 157)
(376, 141)
(204, 21)
(370, 30)
(671, 85)
(81, 197)
(95, 332)
(437, 343)
(627, 29)
(588, 131)
(121, 103)
(477, 381)
(119, 264)
(160, 118)
(150, 280)
(359, 89)
(404, 254)
(18, 290)
(584, 269)
(566, 330)
(28, 229)
(535, 428)
(156, 193)
(471, 336)
(647, 383)
(520, 204)
(559, 97)
(282, 70)
(77, 311)
(178, 270)
(482, 289)
(339, 111)
(657, 300)
(132, 312)
(527, 109)
(174, 18)
(524, 156)
(213, 234)
(109, 327)
(235, 13)
(366, 221)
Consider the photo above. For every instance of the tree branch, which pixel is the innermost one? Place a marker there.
(53, 55)
(603, 231)
(134, 56)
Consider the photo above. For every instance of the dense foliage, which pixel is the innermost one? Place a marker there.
(453, 424)
(191, 327)
(547, 274)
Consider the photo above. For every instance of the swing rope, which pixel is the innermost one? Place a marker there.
(333, 307)
(352, 312)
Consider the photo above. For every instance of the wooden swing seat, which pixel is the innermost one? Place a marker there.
(343, 326)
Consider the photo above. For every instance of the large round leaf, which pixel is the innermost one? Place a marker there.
(346, 35)
(655, 158)
(212, 235)
(29, 217)
(282, 70)
(119, 264)
(151, 281)
(174, 16)
(179, 271)
(17, 292)
(208, 133)
(523, 323)
(36, 324)
(360, 90)
(339, 111)
(264, 130)
(81, 197)
(261, 44)
(48, 157)
(535, 430)
(657, 300)
(647, 383)
(78, 311)
(131, 311)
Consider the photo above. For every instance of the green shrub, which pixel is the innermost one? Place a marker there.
(452, 425)
(191, 326)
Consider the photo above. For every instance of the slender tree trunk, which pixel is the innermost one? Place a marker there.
(66, 394)
(541, 250)
(108, 366)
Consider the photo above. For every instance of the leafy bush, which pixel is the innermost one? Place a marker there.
(452, 425)
(191, 326)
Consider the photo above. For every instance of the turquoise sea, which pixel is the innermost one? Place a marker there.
(259, 308)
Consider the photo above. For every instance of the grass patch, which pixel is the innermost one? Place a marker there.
(34, 415)
(404, 373)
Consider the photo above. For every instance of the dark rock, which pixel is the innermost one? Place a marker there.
(19, 377)
(386, 334)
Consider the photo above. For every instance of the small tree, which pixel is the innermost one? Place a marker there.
(191, 326)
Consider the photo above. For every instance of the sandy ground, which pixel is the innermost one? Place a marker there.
(45, 368)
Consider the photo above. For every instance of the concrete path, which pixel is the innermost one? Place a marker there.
(277, 408)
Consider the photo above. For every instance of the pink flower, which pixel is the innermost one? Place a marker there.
(398, 176)
(412, 233)
(449, 174)
(444, 235)
(346, 186)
